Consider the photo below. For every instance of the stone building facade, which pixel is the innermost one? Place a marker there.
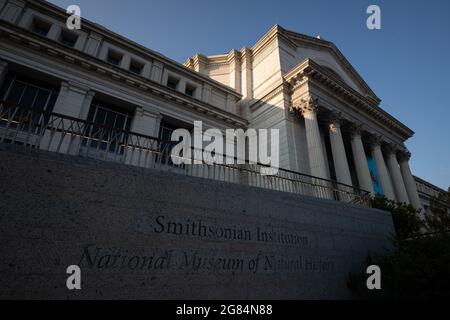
(331, 123)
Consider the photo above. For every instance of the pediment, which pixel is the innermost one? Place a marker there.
(325, 54)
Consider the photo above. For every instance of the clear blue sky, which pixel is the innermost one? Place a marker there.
(406, 63)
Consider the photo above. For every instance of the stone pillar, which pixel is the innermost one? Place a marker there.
(12, 10)
(54, 32)
(338, 150)
(125, 62)
(360, 160)
(93, 44)
(383, 173)
(235, 70)
(71, 100)
(146, 72)
(142, 149)
(74, 101)
(247, 73)
(206, 93)
(316, 154)
(3, 71)
(157, 71)
(397, 179)
(230, 103)
(408, 179)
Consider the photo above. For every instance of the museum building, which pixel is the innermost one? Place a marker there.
(94, 93)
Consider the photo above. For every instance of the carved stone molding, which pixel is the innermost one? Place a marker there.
(334, 118)
(306, 106)
(403, 155)
(355, 129)
(375, 141)
(309, 104)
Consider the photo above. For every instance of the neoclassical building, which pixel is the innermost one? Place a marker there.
(332, 127)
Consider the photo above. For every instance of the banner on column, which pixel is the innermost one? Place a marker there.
(374, 176)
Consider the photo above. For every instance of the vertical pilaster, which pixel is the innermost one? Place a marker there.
(247, 73)
(142, 153)
(235, 70)
(157, 71)
(93, 44)
(74, 101)
(206, 94)
(12, 10)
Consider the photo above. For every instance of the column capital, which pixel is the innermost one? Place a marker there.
(334, 118)
(355, 129)
(375, 141)
(309, 104)
(404, 155)
(390, 148)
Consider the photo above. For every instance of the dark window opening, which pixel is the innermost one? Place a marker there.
(68, 38)
(114, 57)
(190, 90)
(109, 130)
(41, 27)
(172, 83)
(28, 105)
(136, 67)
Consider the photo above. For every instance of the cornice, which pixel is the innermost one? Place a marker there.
(311, 71)
(57, 12)
(31, 41)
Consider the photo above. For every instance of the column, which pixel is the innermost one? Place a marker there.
(397, 179)
(3, 71)
(410, 183)
(383, 173)
(74, 101)
(360, 160)
(315, 152)
(93, 44)
(338, 151)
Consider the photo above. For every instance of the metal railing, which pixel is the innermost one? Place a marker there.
(54, 132)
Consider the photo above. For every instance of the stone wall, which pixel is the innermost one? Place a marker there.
(147, 234)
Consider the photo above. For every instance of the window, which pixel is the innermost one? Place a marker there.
(136, 67)
(190, 90)
(28, 93)
(68, 38)
(36, 101)
(114, 57)
(41, 27)
(109, 131)
(172, 83)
